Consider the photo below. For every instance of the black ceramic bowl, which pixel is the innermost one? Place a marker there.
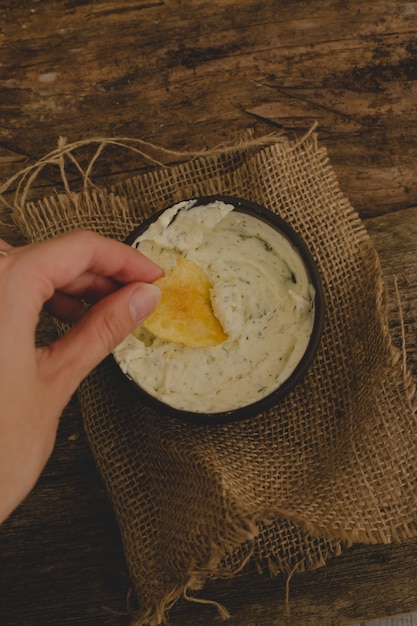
(273, 398)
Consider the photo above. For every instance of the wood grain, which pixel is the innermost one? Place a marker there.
(190, 75)
(402, 620)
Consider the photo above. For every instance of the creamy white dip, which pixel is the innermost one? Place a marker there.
(261, 295)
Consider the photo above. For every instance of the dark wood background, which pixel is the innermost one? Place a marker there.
(190, 74)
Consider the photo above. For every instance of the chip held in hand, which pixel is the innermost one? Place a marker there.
(184, 314)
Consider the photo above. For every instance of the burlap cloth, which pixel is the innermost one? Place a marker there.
(333, 463)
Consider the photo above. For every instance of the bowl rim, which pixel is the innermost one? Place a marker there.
(275, 397)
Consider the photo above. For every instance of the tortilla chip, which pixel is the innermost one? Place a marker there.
(184, 314)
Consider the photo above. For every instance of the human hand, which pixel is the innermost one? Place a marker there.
(37, 382)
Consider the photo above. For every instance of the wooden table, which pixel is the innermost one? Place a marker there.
(186, 75)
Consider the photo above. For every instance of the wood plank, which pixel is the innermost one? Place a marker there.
(403, 620)
(191, 75)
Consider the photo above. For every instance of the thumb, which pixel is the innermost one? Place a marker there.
(105, 325)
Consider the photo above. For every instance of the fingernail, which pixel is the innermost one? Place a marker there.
(143, 301)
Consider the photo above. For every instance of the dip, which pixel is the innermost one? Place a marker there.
(261, 294)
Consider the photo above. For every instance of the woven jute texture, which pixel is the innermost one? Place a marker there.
(334, 463)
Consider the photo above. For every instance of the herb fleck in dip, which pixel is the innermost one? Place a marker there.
(261, 295)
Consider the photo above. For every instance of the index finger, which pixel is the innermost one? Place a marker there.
(46, 267)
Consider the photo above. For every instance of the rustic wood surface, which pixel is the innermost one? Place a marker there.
(187, 75)
(402, 620)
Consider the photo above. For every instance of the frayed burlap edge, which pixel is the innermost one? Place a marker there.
(111, 200)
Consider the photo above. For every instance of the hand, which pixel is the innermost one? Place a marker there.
(37, 383)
